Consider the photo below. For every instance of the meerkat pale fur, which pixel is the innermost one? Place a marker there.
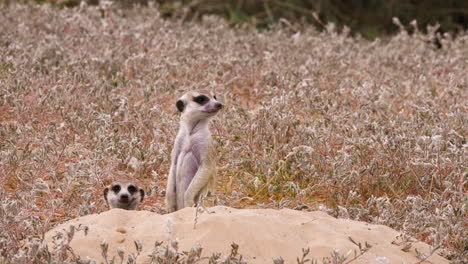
(123, 195)
(193, 169)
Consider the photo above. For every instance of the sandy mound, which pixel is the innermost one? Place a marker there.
(261, 234)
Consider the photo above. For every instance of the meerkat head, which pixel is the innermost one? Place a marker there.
(195, 106)
(124, 195)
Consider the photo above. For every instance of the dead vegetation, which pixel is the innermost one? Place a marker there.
(374, 131)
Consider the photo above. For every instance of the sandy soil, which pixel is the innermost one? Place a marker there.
(261, 234)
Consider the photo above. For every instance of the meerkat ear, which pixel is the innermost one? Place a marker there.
(180, 105)
(142, 194)
(106, 190)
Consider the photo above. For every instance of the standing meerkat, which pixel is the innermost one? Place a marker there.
(123, 195)
(193, 168)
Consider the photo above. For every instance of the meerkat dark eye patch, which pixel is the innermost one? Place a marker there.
(201, 99)
(116, 188)
(180, 105)
(132, 189)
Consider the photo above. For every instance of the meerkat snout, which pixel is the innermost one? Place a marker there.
(123, 195)
(218, 105)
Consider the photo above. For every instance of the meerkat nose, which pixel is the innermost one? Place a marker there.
(124, 197)
(219, 105)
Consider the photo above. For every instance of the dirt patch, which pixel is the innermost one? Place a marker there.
(262, 234)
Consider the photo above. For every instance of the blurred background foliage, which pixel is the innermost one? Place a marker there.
(370, 18)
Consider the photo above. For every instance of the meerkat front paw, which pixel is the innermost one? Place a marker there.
(189, 200)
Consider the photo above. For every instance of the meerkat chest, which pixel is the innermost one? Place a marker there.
(195, 145)
(190, 158)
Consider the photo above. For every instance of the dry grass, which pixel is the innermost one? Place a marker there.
(374, 131)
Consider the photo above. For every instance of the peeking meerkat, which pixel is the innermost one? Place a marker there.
(193, 170)
(123, 195)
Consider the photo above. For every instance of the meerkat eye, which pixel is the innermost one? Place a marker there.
(132, 189)
(116, 188)
(201, 99)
